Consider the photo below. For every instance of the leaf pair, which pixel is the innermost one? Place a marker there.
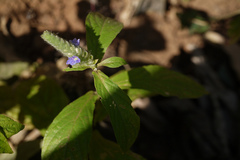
(70, 134)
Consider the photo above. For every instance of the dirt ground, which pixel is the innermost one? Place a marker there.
(156, 32)
(153, 33)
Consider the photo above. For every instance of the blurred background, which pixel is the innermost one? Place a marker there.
(198, 38)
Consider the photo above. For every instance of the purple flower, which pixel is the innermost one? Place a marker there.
(73, 60)
(75, 42)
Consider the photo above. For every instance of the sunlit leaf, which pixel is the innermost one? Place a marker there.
(100, 32)
(8, 127)
(139, 93)
(124, 119)
(69, 134)
(10, 69)
(113, 62)
(159, 80)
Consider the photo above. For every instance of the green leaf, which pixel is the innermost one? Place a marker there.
(81, 67)
(4, 147)
(124, 119)
(103, 149)
(159, 80)
(8, 127)
(100, 32)
(10, 69)
(69, 135)
(38, 97)
(113, 62)
(139, 93)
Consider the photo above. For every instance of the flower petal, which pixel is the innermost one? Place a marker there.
(75, 42)
(73, 60)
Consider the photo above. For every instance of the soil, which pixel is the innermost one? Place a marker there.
(152, 34)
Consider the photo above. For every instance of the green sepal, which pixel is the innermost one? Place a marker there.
(67, 48)
(81, 67)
